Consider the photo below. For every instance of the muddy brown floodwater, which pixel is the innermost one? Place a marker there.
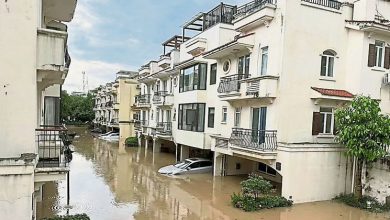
(112, 183)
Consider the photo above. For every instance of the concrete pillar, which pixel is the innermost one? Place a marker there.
(218, 164)
(184, 152)
(156, 145)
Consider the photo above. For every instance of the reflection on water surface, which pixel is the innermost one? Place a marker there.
(114, 183)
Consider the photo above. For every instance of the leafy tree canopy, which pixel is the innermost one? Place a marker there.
(363, 129)
(76, 108)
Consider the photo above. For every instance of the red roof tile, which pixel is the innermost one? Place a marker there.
(334, 92)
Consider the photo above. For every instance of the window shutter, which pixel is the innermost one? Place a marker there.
(387, 58)
(371, 55)
(316, 127)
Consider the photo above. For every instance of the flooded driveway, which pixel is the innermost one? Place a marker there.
(113, 183)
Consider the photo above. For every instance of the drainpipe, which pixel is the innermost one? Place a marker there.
(353, 174)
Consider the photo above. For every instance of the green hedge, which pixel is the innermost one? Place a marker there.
(131, 141)
(70, 217)
(365, 202)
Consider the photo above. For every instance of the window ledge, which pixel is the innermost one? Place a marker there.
(329, 136)
(379, 69)
(223, 122)
(324, 78)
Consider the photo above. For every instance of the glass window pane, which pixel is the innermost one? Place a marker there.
(213, 74)
(323, 66)
(241, 65)
(201, 112)
(202, 76)
(330, 66)
(328, 124)
(247, 61)
(264, 61)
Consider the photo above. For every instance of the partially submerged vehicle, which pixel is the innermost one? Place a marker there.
(188, 166)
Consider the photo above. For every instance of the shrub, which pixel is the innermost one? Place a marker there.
(365, 202)
(131, 141)
(256, 195)
(70, 217)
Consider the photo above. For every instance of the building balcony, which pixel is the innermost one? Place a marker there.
(53, 59)
(144, 70)
(114, 122)
(196, 46)
(260, 144)
(253, 14)
(137, 125)
(164, 128)
(116, 105)
(165, 61)
(143, 101)
(162, 98)
(332, 4)
(242, 87)
(53, 147)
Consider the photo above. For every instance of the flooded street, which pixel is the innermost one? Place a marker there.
(111, 183)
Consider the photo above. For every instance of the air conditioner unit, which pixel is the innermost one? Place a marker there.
(386, 79)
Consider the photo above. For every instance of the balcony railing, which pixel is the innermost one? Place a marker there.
(164, 128)
(143, 99)
(252, 7)
(326, 3)
(144, 123)
(259, 140)
(159, 96)
(53, 146)
(231, 83)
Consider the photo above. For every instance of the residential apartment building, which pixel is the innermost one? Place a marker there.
(256, 86)
(114, 103)
(34, 63)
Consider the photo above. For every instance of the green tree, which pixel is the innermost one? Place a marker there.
(76, 108)
(364, 131)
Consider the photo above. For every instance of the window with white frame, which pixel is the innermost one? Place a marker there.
(264, 61)
(237, 117)
(327, 63)
(327, 120)
(380, 53)
(224, 114)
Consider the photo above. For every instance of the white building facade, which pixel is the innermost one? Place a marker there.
(34, 64)
(256, 87)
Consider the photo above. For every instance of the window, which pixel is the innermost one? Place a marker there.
(379, 55)
(226, 66)
(380, 50)
(224, 114)
(237, 117)
(264, 168)
(323, 121)
(327, 120)
(327, 63)
(213, 74)
(264, 61)
(243, 65)
(210, 122)
(193, 78)
(191, 117)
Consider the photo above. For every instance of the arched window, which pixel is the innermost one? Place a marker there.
(327, 63)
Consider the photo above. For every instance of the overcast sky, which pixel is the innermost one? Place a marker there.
(106, 36)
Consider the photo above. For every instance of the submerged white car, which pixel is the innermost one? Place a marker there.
(111, 137)
(105, 134)
(188, 166)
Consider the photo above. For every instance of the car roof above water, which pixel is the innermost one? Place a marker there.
(196, 159)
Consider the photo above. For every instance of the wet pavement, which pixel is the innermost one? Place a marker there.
(113, 183)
